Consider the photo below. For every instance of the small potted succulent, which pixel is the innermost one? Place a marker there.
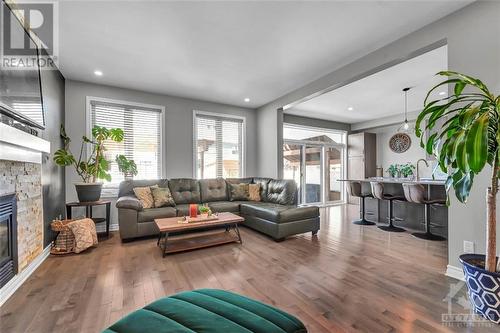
(126, 166)
(205, 210)
(90, 167)
(466, 139)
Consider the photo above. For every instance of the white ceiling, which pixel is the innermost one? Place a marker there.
(226, 51)
(380, 95)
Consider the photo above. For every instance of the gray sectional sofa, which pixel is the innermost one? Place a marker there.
(276, 215)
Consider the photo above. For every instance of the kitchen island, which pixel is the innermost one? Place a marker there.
(407, 215)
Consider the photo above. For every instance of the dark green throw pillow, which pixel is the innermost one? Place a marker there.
(162, 197)
(239, 192)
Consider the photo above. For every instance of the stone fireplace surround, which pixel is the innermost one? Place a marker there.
(20, 173)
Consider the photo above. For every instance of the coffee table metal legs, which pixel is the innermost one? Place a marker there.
(162, 243)
(237, 229)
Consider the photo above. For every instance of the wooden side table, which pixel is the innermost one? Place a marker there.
(88, 211)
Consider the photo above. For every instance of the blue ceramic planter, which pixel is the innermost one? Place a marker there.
(483, 288)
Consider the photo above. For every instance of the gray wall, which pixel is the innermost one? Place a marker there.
(269, 129)
(472, 35)
(53, 177)
(386, 157)
(178, 126)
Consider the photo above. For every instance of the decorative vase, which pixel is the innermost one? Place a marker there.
(483, 287)
(88, 192)
(193, 210)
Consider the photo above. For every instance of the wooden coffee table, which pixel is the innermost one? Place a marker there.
(193, 241)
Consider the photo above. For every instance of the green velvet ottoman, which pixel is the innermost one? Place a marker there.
(207, 311)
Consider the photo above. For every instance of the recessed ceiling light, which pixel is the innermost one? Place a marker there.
(247, 100)
(98, 73)
(350, 108)
(442, 93)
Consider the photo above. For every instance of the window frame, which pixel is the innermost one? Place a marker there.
(112, 191)
(197, 113)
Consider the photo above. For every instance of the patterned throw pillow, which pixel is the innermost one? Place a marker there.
(162, 197)
(85, 234)
(239, 192)
(254, 192)
(145, 196)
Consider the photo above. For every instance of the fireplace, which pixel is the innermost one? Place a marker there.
(8, 238)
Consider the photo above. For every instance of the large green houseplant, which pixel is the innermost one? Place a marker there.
(89, 166)
(465, 138)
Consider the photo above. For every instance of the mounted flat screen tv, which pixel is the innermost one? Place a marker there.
(21, 88)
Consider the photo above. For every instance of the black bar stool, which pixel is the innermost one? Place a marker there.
(416, 193)
(378, 193)
(354, 189)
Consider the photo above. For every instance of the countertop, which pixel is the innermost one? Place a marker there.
(423, 181)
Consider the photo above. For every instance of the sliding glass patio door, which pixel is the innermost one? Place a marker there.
(316, 163)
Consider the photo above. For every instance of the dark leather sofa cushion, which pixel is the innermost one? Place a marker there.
(278, 213)
(148, 215)
(225, 206)
(185, 190)
(281, 191)
(263, 182)
(127, 186)
(213, 190)
(239, 180)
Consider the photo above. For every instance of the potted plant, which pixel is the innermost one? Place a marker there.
(394, 170)
(126, 166)
(407, 170)
(205, 210)
(92, 167)
(467, 137)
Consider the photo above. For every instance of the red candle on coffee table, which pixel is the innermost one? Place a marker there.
(193, 210)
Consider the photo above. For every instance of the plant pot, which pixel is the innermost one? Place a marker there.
(88, 192)
(483, 287)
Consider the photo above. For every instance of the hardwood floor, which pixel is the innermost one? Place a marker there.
(347, 279)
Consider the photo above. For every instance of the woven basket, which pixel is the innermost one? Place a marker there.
(65, 240)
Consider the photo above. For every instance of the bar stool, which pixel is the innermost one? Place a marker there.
(378, 193)
(416, 193)
(354, 189)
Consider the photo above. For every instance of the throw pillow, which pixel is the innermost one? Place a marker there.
(239, 192)
(254, 192)
(145, 196)
(85, 234)
(162, 197)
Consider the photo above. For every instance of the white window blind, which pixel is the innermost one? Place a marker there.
(219, 146)
(142, 139)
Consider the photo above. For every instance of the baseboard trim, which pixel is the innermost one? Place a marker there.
(17, 281)
(455, 272)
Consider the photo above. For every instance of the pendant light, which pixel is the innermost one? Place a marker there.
(405, 126)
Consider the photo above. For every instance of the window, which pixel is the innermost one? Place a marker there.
(218, 145)
(141, 125)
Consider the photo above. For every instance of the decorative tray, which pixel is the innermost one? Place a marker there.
(187, 219)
